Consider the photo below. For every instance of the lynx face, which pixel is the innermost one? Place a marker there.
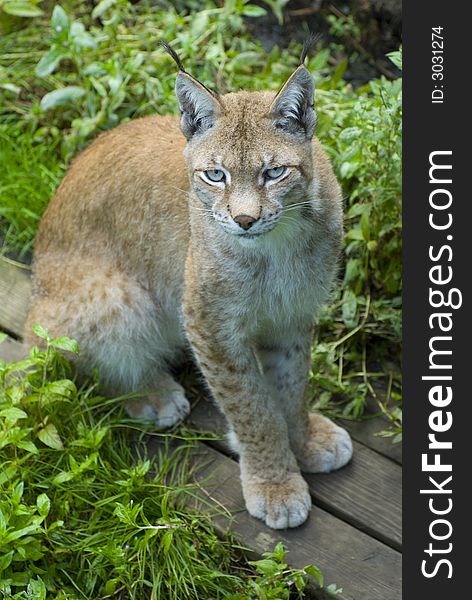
(249, 155)
(241, 200)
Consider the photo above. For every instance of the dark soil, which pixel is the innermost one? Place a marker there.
(379, 22)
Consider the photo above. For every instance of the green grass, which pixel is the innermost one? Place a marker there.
(29, 174)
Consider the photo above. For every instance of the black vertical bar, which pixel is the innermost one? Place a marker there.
(434, 126)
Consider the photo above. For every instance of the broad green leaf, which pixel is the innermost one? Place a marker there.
(278, 553)
(315, 573)
(354, 234)
(11, 87)
(13, 414)
(66, 343)
(17, 493)
(49, 62)
(28, 446)
(20, 579)
(61, 97)
(166, 541)
(55, 525)
(246, 58)
(40, 331)
(348, 169)
(50, 436)
(36, 590)
(265, 566)
(397, 58)
(110, 587)
(44, 504)
(350, 133)
(7, 473)
(251, 10)
(62, 387)
(353, 267)
(339, 72)
(200, 24)
(59, 20)
(5, 560)
(19, 533)
(372, 245)
(357, 209)
(21, 8)
(80, 37)
(62, 477)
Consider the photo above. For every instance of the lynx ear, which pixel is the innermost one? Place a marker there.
(292, 109)
(199, 107)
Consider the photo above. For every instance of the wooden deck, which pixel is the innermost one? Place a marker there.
(354, 531)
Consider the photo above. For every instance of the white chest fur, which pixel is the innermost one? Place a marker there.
(278, 282)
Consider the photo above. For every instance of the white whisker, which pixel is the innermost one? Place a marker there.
(292, 207)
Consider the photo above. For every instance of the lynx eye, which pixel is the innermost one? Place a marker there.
(275, 172)
(215, 175)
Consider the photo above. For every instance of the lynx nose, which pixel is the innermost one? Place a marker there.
(245, 221)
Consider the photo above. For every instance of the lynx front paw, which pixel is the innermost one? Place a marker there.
(163, 410)
(327, 447)
(280, 505)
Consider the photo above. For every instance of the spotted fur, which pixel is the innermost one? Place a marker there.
(140, 259)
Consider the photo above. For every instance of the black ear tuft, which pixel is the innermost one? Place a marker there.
(199, 107)
(168, 48)
(292, 109)
(308, 45)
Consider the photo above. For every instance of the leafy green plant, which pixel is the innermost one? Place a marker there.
(68, 40)
(274, 580)
(29, 174)
(366, 149)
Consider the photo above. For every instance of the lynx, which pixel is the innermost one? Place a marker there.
(218, 236)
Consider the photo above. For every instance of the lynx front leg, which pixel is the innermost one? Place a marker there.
(319, 444)
(273, 488)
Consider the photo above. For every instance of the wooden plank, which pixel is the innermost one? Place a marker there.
(15, 290)
(12, 351)
(365, 568)
(366, 493)
(366, 432)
